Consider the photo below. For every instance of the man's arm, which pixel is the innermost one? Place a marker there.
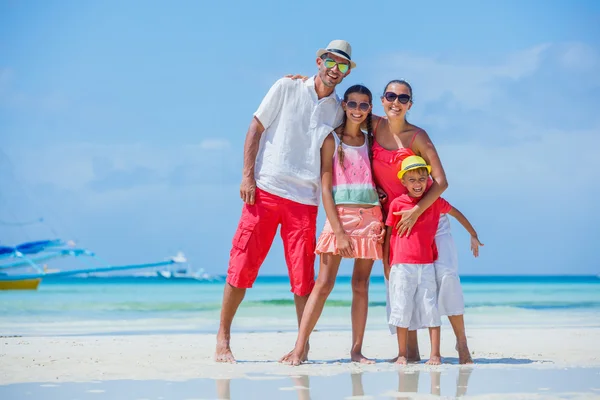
(251, 144)
(475, 243)
(263, 117)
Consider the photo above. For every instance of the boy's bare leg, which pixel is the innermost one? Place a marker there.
(402, 334)
(360, 308)
(413, 347)
(434, 336)
(314, 306)
(458, 326)
(300, 303)
(232, 297)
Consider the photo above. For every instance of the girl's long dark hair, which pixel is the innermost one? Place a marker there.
(361, 90)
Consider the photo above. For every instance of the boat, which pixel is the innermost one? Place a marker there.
(184, 271)
(29, 256)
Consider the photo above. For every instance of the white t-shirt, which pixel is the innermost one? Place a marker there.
(296, 122)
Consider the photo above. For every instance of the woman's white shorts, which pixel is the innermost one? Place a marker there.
(450, 294)
(412, 301)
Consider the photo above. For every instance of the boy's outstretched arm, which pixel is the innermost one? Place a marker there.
(475, 243)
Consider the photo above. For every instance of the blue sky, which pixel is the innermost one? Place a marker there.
(122, 123)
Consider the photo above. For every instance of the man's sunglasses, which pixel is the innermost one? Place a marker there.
(353, 105)
(330, 63)
(391, 97)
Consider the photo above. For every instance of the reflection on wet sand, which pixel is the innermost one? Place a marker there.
(301, 383)
(408, 383)
(223, 389)
(357, 386)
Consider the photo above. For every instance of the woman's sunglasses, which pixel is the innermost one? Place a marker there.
(391, 97)
(353, 105)
(330, 63)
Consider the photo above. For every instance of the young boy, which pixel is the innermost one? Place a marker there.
(412, 281)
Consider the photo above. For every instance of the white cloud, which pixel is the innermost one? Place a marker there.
(75, 165)
(469, 83)
(579, 57)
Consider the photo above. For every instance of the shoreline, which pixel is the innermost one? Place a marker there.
(190, 356)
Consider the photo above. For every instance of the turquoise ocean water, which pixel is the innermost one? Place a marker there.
(148, 305)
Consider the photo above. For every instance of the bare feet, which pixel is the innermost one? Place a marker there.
(359, 358)
(434, 360)
(292, 358)
(286, 359)
(223, 352)
(464, 355)
(401, 361)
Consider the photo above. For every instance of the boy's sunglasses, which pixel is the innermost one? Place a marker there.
(353, 105)
(330, 63)
(391, 97)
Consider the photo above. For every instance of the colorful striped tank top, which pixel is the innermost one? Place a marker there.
(353, 184)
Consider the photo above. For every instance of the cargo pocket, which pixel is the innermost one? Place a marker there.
(310, 240)
(243, 235)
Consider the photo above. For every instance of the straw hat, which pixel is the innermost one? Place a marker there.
(340, 48)
(413, 162)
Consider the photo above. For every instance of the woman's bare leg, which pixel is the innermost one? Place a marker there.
(458, 326)
(413, 347)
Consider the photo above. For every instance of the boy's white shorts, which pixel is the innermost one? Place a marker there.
(450, 295)
(412, 297)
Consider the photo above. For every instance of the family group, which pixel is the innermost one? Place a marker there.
(380, 179)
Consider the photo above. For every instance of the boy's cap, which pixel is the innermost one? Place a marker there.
(413, 162)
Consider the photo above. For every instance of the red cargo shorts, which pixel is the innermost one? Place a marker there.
(256, 231)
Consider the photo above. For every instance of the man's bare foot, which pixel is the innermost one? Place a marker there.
(434, 360)
(401, 361)
(359, 358)
(464, 355)
(223, 352)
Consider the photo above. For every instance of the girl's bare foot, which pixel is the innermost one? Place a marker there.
(464, 355)
(434, 360)
(292, 358)
(223, 352)
(401, 361)
(359, 358)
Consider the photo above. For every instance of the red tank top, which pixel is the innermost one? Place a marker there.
(386, 164)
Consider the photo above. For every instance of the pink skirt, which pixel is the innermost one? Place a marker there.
(363, 227)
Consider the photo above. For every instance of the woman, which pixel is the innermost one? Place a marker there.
(394, 140)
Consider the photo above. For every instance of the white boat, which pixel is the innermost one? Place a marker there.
(184, 271)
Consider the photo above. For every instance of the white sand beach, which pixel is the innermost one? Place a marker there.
(180, 357)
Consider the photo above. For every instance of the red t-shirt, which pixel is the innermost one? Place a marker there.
(419, 247)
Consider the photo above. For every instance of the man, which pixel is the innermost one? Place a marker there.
(281, 180)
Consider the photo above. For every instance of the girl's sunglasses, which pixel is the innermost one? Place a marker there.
(330, 63)
(354, 105)
(391, 97)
